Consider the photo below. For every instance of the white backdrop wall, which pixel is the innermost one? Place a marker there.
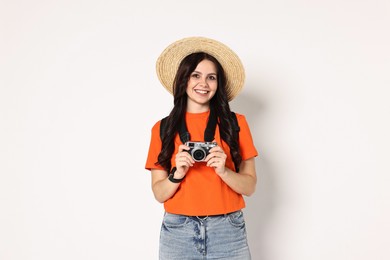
(79, 95)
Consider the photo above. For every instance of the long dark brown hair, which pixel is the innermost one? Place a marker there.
(219, 103)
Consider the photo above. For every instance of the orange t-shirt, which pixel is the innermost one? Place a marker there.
(202, 192)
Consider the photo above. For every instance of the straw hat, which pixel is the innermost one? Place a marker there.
(169, 61)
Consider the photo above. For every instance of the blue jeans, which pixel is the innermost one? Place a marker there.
(212, 237)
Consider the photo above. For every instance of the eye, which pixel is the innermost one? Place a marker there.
(213, 77)
(195, 75)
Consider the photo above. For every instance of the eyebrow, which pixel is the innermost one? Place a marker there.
(202, 73)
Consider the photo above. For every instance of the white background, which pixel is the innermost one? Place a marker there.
(79, 95)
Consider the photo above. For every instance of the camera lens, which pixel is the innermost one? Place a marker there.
(198, 155)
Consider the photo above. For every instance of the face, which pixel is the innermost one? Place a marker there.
(201, 86)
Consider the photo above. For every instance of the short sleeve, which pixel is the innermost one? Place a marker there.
(154, 148)
(247, 147)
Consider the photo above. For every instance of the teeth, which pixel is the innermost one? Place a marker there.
(201, 91)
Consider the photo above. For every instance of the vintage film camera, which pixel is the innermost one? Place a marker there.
(200, 150)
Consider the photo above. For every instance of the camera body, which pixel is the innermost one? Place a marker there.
(200, 150)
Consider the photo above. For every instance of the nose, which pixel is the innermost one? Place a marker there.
(203, 81)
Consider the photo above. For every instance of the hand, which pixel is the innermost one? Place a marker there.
(217, 159)
(183, 161)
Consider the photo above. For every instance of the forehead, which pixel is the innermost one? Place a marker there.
(206, 65)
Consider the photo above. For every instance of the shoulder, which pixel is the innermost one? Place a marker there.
(156, 127)
(240, 117)
(242, 122)
(160, 125)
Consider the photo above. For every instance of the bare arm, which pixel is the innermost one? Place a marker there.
(243, 182)
(162, 187)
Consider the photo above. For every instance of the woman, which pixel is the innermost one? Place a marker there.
(202, 196)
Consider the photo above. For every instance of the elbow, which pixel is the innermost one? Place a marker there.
(157, 194)
(251, 188)
(250, 191)
(159, 197)
(161, 200)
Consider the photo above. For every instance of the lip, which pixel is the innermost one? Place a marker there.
(200, 91)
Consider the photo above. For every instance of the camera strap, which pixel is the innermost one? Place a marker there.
(208, 133)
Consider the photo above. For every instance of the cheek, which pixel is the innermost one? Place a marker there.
(214, 86)
(189, 88)
(191, 83)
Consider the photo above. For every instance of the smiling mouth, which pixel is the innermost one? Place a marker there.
(201, 91)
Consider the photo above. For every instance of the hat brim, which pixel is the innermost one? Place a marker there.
(170, 59)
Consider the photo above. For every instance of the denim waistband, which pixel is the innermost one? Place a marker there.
(214, 216)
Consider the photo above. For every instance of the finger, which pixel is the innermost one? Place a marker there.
(210, 156)
(185, 155)
(184, 158)
(215, 162)
(221, 155)
(184, 164)
(217, 149)
(183, 147)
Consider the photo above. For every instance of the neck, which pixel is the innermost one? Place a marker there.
(198, 108)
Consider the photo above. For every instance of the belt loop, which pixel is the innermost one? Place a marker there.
(201, 219)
